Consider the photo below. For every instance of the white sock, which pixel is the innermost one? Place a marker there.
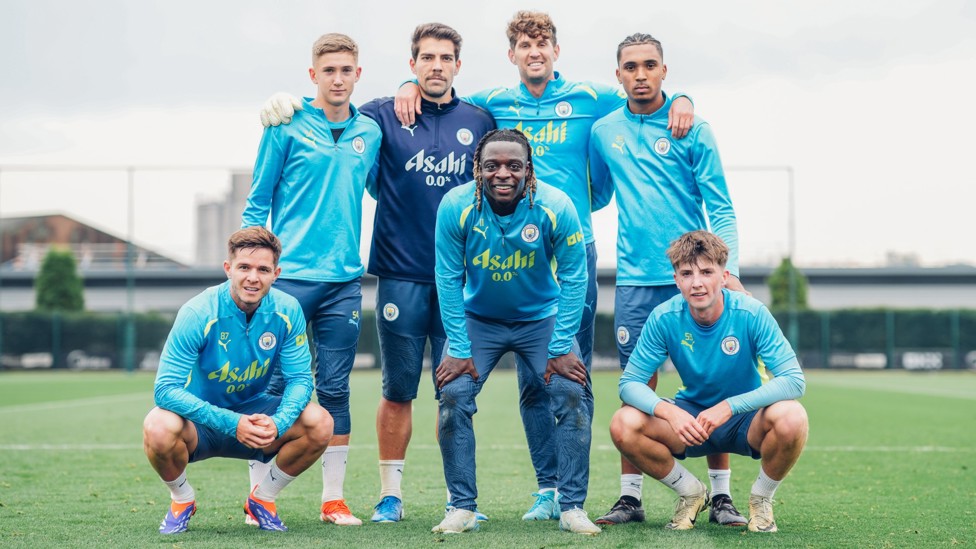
(256, 472)
(719, 479)
(631, 485)
(681, 481)
(180, 489)
(274, 482)
(765, 486)
(391, 473)
(333, 472)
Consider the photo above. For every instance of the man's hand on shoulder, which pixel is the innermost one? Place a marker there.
(735, 285)
(279, 109)
(681, 116)
(569, 366)
(407, 103)
(452, 368)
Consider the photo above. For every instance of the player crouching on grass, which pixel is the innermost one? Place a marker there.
(210, 390)
(721, 343)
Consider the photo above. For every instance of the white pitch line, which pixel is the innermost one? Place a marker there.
(493, 447)
(78, 402)
(904, 386)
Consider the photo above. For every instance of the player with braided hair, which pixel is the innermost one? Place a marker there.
(514, 137)
(499, 292)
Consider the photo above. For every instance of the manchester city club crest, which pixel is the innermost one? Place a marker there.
(730, 345)
(563, 109)
(359, 144)
(267, 341)
(662, 146)
(530, 233)
(391, 312)
(465, 137)
(623, 335)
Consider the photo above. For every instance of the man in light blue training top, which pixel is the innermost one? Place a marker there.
(721, 344)
(211, 387)
(511, 276)
(556, 116)
(310, 177)
(661, 185)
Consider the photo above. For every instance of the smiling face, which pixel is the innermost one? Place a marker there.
(251, 272)
(504, 165)
(641, 71)
(701, 285)
(534, 58)
(436, 65)
(335, 75)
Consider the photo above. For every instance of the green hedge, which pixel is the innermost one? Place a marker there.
(820, 333)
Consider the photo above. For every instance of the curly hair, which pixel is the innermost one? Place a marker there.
(511, 136)
(533, 24)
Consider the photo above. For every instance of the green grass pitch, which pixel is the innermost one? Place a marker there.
(891, 462)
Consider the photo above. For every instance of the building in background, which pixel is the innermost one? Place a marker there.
(216, 219)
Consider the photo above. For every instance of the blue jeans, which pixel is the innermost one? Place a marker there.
(562, 419)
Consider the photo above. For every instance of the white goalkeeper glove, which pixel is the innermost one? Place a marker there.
(279, 109)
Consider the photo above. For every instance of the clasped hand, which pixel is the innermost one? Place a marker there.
(256, 430)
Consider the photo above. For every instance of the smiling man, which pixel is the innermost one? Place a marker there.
(721, 343)
(511, 276)
(310, 177)
(211, 387)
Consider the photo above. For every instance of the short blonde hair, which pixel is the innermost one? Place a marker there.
(532, 24)
(332, 43)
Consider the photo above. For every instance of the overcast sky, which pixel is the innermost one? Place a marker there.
(869, 102)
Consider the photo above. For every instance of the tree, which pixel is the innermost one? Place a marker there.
(58, 286)
(779, 286)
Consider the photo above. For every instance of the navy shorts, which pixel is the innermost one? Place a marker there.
(632, 305)
(731, 438)
(213, 443)
(408, 314)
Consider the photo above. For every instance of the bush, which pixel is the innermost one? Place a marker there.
(58, 286)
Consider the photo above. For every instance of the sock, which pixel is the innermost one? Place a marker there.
(681, 481)
(333, 472)
(630, 485)
(544, 490)
(391, 473)
(764, 486)
(272, 485)
(256, 472)
(719, 479)
(180, 490)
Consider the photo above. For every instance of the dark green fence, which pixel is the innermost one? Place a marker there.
(875, 338)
